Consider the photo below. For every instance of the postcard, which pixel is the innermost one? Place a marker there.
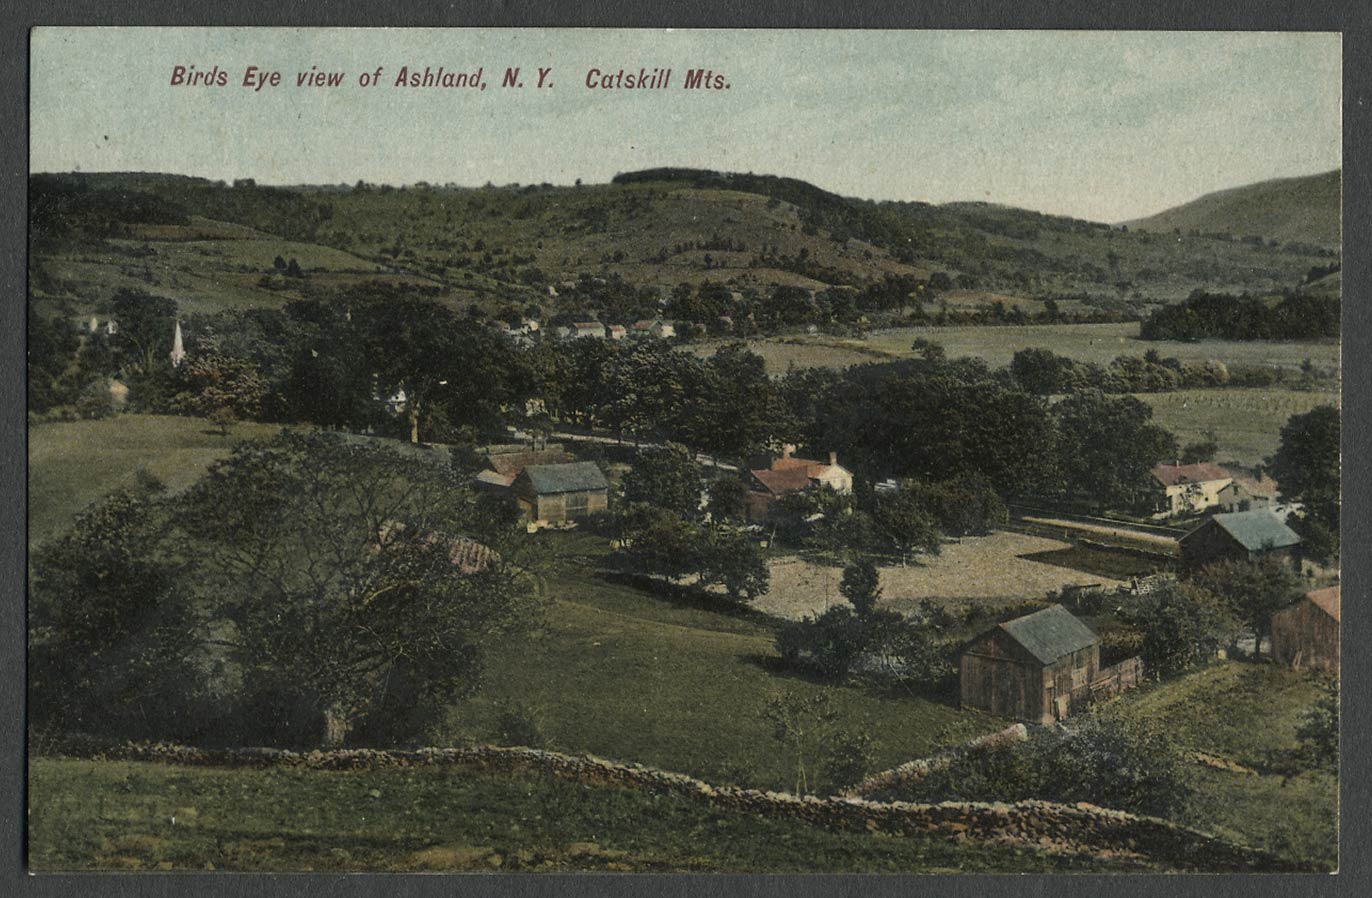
(693, 451)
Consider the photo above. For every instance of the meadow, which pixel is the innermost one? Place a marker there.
(1246, 713)
(74, 463)
(1099, 343)
(1246, 422)
(116, 816)
(990, 571)
(630, 675)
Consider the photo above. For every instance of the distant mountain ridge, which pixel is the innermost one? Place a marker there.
(1304, 209)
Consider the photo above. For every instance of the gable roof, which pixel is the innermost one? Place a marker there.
(1326, 599)
(786, 480)
(510, 464)
(1254, 530)
(568, 478)
(1050, 633)
(1174, 475)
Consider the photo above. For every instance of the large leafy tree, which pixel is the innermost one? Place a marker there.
(1181, 626)
(342, 596)
(146, 325)
(1251, 590)
(667, 477)
(115, 645)
(1307, 469)
(1108, 447)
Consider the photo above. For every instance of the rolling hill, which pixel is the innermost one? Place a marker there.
(214, 246)
(1291, 210)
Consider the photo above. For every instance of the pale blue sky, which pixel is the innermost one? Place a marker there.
(1106, 126)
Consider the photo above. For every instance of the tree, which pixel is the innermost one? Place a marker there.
(660, 543)
(145, 324)
(1307, 470)
(808, 727)
(666, 477)
(860, 586)
(1180, 625)
(114, 643)
(1108, 447)
(1251, 591)
(1318, 732)
(726, 498)
(329, 565)
(906, 524)
(222, 385)
(733, 560)
(1201, 451)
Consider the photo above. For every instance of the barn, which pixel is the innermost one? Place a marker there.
(558, 494)
(1038, 668)
(1241, 535)
(1306, 633)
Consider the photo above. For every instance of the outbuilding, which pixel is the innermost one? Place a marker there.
(560, 494)
(1038, 668)
(1306, 633)
(1241, 536)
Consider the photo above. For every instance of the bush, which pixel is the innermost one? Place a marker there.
(1102, 759)
(519, 725)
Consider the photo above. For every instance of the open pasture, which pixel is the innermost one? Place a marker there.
(986, 569)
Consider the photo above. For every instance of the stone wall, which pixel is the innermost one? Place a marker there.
(1080, 828)
(916, 770)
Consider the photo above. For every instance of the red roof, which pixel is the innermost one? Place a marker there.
(1327, 599)
(1173, 475)
(785, 480)
(791, 461)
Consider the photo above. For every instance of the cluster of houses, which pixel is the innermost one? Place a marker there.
(528, 331)
(1045, 666)
(1204, 486)
(548, 486)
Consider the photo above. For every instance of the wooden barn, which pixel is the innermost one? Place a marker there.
(559, 494)
(1241, 536)
(1037, 668)
(1306, 633)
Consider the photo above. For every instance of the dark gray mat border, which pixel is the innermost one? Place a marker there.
(1352, 18)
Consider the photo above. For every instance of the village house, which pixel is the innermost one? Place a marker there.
(560, 494)
(790, 474)
(616, 332)
(655, 327)
(1039, 668)
(504, 464)
(1240, 535)
(587, 329)
(1189, 489)
(1306, 634)
(1248, 491)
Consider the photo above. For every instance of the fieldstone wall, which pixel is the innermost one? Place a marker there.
(1080, 828)
(918, 769)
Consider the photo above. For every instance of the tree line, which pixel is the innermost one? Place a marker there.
(1298, 316)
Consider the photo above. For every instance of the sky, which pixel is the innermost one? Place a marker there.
(1106, 126)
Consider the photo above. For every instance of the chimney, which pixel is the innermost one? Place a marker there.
(787, 450)
(833, 459)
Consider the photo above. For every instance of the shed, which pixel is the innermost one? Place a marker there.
(1240, 535)
(558, 494)
(1037, 668)
(1306, 633)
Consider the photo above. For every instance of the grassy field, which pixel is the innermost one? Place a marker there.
(1100, 343)
(1245, 712)
(101, 815)
(627, 675)
(71, 464)
(991, 570)
(1247, 423)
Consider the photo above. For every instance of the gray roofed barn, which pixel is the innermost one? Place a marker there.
(1038, 668)
(1239, 535)
(560, 494)
(566, 478)
(1051, 633)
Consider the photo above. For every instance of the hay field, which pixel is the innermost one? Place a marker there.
(1247, 423)
(1099, 343)
(985, 569)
